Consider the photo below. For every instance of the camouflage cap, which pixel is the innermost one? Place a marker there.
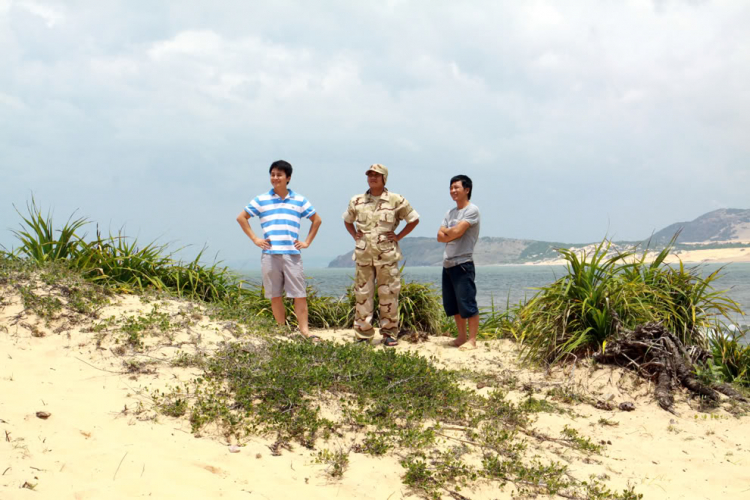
(380, 169)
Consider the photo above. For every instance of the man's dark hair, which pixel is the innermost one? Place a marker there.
(285, 167)
(465, 182)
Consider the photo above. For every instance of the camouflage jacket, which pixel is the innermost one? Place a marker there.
(375, 216)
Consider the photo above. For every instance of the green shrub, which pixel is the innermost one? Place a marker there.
(420, 308)
(730, 357)
(39, 242)
(119, 261)
(399, 402)
(603, 291)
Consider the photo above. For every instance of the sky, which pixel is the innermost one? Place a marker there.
(575, 120)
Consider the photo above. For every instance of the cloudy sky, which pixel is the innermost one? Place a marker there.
(575, 119)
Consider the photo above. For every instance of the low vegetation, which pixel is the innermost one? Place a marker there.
(574, 317)
(313, 394)
(603, 292)
(378, 402)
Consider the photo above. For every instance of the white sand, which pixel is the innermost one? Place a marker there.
(102, 440)
(719, 256)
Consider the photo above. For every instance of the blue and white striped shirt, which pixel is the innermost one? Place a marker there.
(280, 219)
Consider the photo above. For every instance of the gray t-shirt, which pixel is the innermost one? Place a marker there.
(461, 249)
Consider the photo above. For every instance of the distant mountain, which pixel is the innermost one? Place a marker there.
(421, 251)
(725, 225)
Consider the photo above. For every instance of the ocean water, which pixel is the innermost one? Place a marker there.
(502, 285)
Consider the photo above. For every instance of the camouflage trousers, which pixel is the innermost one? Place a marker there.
(389, 286)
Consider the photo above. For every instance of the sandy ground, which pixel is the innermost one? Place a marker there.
(719, 256)
(102, 439)
(722, 255)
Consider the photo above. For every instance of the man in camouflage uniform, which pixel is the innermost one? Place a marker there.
(377, 213)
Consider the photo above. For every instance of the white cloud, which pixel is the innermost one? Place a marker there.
(11, 101)
(200, 44)
(567, 100)
(50, 14)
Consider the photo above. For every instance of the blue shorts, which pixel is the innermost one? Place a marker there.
(459, 290)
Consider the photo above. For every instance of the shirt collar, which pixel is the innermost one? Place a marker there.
(382, 196)
(290, 194)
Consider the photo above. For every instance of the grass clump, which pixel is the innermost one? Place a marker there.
(136, 328)
(185, 360)
(337, 461)
(174, 407)
(566, 395)
(40, 242)
(420, 308)
(52, 291)
(730, 360)
(534, 405)
(439, 472)
(581, 443)
(43, 305)
(550, 478)
(275, 385)
(603, 291)
(116, 260)
(302, 393)
(376, 444)
(123, 264)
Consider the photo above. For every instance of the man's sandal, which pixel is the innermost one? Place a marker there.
(390, 342)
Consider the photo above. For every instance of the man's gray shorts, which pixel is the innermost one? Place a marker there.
(283, 272)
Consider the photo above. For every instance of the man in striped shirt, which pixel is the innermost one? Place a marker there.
(280, 211)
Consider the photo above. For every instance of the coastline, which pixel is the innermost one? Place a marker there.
(699, 256)
(687, 256)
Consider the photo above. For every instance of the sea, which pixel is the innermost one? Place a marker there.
(501, 286)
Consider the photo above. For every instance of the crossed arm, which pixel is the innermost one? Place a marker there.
(446, 235)
(244, 222)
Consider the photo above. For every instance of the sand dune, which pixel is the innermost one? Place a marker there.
(104, 440)
(719, 255)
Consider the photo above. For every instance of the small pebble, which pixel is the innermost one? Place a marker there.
(627, 406)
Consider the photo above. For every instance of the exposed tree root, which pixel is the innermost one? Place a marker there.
(730, 391)
(657, 354)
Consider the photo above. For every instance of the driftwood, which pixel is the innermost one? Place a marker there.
(657, 354)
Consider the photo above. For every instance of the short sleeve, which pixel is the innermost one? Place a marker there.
(471, 215)
(350, 215)
(253, 208)
(446, 218)
(405, 212)
(307, 209)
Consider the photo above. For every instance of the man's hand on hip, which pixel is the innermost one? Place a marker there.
(392, 236)
(264, 244)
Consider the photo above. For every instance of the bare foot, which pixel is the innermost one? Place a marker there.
(457, 342)
(308, 336)
(467, 347)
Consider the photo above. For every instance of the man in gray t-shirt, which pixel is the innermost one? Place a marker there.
(459, 232)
